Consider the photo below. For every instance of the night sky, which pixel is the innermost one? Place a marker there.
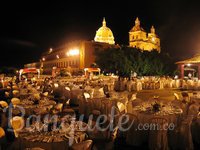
(29, 28)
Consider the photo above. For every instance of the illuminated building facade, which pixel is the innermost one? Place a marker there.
(79, 55)
(138, 38)
(74, 56)
(104, 34)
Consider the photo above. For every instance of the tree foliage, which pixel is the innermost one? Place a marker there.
(123, 60)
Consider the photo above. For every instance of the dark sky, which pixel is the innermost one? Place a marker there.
(29, 28)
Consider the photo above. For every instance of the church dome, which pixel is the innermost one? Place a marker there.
(104, 34)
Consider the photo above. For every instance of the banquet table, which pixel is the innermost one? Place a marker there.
(145, 114)
(43, 107)
(51, 140)
(63, 145)
(104, 105)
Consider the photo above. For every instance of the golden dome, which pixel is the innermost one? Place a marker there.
(104, 34)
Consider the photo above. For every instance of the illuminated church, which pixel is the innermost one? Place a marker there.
(138, 38)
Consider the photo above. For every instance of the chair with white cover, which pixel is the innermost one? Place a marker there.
(138, 86)
(95, 134)
(103, 138)
(7, 94)
(122, 85)
(15, 93)
(3, 104)
(177, 97)
(17, 124)
(89, 90)
(14, 87)
(129, 86)
(117, 85)
(85, 145)
(85, 106)
(193, 110)
(98, 92)
(106, 107)
(75, 93)
(129, 107)
(158, 139)
(177, 83)
(86, 95)
(118, 111)
(132, 96)
(96, 107)
(196, 130)
(184, 85)
(121, 107)
(15, 101)
(132, 135)
(184, 136)
(131, 104)
(161, 84)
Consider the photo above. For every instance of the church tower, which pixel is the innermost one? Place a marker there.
(137, 33)
(153, 38)
(138, 38)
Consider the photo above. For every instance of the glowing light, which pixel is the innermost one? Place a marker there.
(188, 65)
(43, 59)
(86, 95)
(57, 56)
(56, 85)
(153, 39)
(67, 88)
(33, 79)
(50, 50)
(72, 52)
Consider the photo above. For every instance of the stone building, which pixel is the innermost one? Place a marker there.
(142, 40)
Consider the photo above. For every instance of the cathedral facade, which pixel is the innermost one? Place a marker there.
(139, 39)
